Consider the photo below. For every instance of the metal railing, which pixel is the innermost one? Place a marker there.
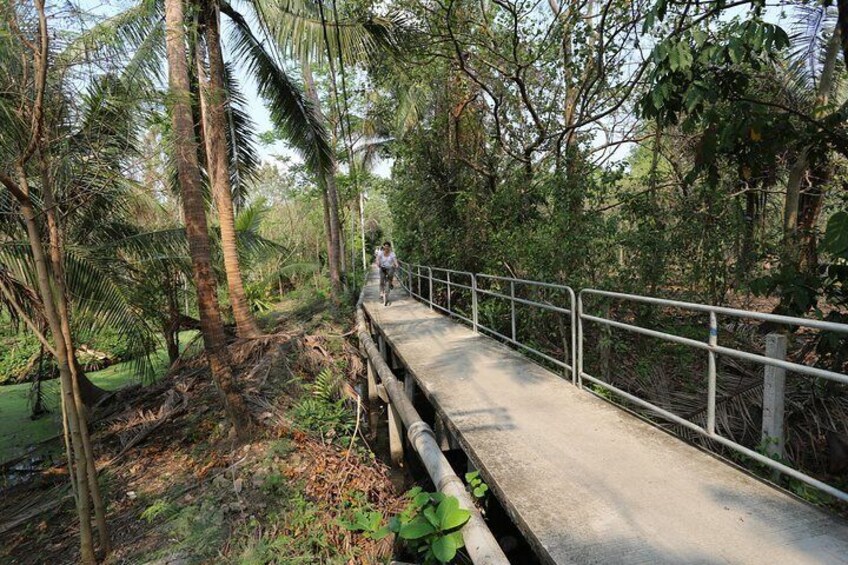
(416, 278)
(419, 281)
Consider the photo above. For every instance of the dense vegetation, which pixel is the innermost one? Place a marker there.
(682, 149)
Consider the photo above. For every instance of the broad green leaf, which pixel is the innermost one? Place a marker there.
(416, 529)
(458, 541)
(430, 514)
(381, 533)
(444, 549)
(835, 239)
(421, 499)
(451, 515)
(471, 476)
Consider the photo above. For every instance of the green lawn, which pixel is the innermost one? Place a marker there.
(18, 431)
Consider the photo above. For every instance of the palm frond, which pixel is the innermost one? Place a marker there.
(290, 110)
(298, 29)
(813, 26)
(134, 35)
(241, 146)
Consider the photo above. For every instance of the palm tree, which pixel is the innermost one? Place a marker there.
(194, 211)
(812, 82)
(214, 118)
(135, 37)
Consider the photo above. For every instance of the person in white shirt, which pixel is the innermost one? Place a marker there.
(387, 262)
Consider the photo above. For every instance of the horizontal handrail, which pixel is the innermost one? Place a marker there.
(764, 316)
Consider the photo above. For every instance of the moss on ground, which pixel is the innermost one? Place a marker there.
(18, 431)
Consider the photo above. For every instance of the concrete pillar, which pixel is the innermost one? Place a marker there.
(443, 435)
(774, 385)
(395, 436)
(381, 345)
(372, 382)
(409, 387)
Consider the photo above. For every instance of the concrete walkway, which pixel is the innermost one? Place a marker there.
(585, 481)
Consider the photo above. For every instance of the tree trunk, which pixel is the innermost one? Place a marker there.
(188, 173)
(172, 325)
(792, 251)
(77, 464)
(57, 261)
(214, 113)
(330, 196)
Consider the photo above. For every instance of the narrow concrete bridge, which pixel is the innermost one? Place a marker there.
(585, 481)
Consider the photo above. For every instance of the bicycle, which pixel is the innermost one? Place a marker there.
(386, 277)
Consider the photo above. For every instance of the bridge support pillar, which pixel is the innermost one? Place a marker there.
(372, 382)
(409, 386)
(443, 435)
(774, 384)
(395, 436)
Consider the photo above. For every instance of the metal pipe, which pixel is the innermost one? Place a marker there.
(796, 367)
(449, 292)
(512, 307)
(788, 320)
(724, 441)
(573, 339)
(711, 376)
(580, 340)
(481, 545)
(541, 305)
(474, 302)
(430, 275)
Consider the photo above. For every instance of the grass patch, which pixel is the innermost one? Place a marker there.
(18, 432)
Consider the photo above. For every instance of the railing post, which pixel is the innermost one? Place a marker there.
(430, 291)
(512, 307)
(774, 384)
(409, 277)
(474, 302)
(711, 375)
(418, 278)
(579, 357)
(449, 292)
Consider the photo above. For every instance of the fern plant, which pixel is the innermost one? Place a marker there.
(324, 412)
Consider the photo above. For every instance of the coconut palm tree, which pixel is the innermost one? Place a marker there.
(135, 37)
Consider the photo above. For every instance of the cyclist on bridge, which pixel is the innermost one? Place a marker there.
(387, 261)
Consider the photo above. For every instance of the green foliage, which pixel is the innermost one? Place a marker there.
(430, 525)
(324, 412)
(160, 509)
(275, 484)
(369, 523)
(15, 352)
(476, 485)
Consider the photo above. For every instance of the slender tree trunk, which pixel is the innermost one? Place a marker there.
(20, 190)
(188, 172)
(214, 113)
(57, 264)
(799, 171)
(330, 196)
(77, 465)
(172, 327)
